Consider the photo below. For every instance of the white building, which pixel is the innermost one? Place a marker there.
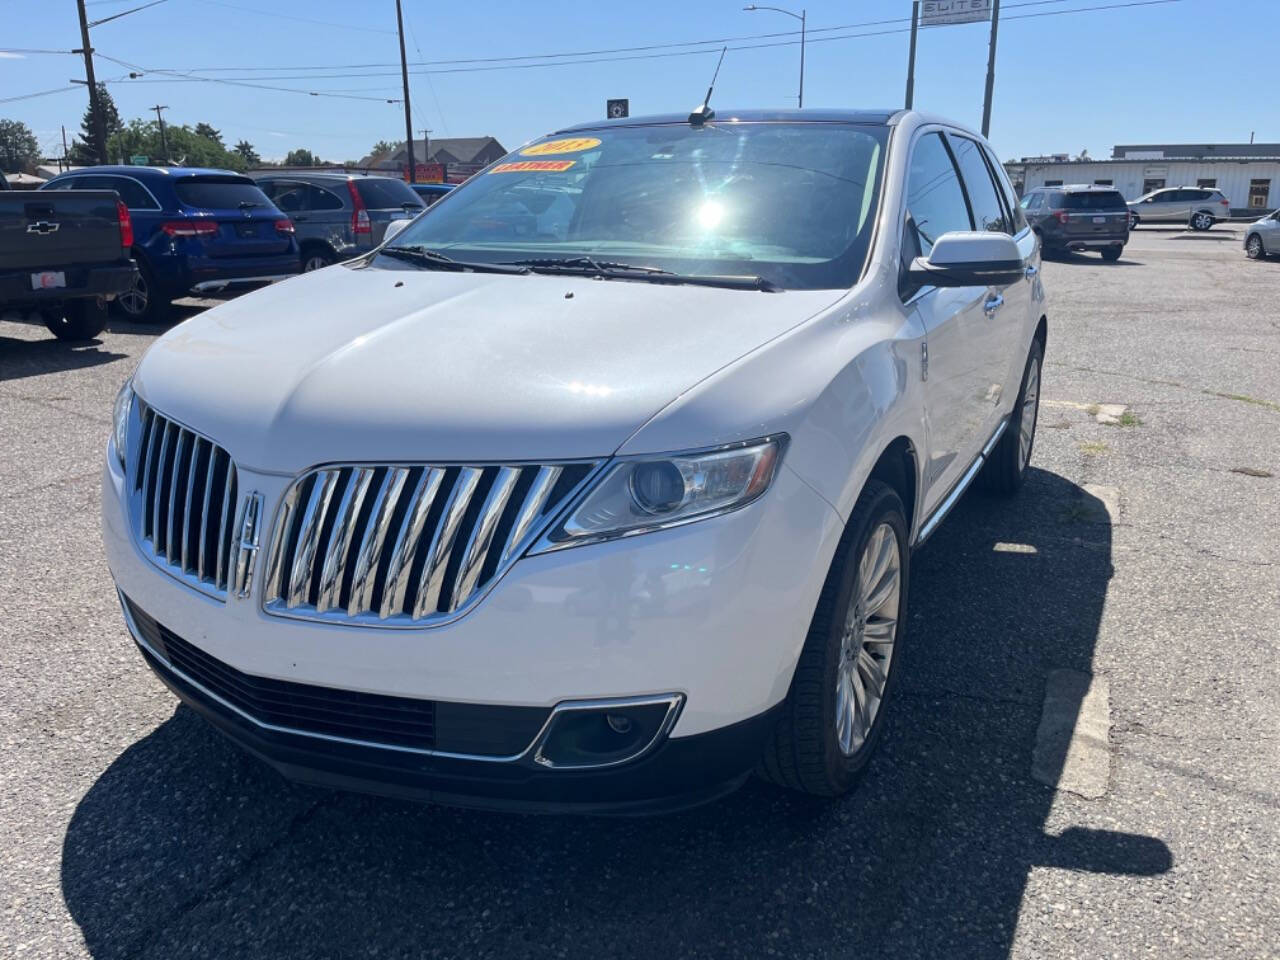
(1247, 173)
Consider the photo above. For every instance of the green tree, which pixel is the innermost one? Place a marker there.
(384, 147)
(206, 130)
(18, 147)
(244, 149)
(300, 158)
(186, 147)
(81, 152)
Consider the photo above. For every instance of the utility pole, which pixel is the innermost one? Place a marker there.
(426, 144)
(99, 122)
(64, 164)
(991, 69)
(911, 57)
(164, 143)
(404, 75)
(800, 99)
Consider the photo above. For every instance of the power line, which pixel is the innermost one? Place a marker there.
(125, 13)
(288, 16)
(38, 93)
(469, 65)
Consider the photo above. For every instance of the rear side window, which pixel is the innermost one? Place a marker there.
(383, 193)
(220, 193)
(134, 194)
(322, 199)
(935, 200)
(1096, 200)
(988, 212)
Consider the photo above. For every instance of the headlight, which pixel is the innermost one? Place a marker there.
(120, 418)
(638, 495)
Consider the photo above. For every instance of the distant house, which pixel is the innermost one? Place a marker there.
(470, 150)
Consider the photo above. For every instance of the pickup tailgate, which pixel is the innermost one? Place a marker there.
(53, 228)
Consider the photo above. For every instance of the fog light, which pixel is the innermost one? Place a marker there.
(586, 735)
(618, 723)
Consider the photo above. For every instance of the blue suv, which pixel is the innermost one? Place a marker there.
(195, 231)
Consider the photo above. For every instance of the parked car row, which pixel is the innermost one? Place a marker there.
(197, 231)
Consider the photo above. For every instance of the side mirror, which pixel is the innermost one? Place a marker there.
(970, 259)
(393, 228)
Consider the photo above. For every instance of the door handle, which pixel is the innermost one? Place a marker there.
(1032, 270)
(994, 303)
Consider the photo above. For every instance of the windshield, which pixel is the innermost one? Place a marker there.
(790, 202)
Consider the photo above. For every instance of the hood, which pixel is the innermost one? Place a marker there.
(373, 364)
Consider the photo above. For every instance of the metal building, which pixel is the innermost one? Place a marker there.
(1247, 173)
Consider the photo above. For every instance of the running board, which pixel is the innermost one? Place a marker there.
(958, 490)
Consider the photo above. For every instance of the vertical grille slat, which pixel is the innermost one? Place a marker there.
(364, 577)
(433, 570)
(477, 545)
(335, 554)
(309, 536)
(534, 502)
(406, 544)
(180, 481)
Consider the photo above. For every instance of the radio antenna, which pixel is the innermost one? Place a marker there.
(703, 112)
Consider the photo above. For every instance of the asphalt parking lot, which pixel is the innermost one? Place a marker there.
(1143, 552)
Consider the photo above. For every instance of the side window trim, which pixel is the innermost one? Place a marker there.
(145, 189)
(964, 187)
(904, 211)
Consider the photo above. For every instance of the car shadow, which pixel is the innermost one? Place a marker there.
(186, 846)
(1092, 259)
(21, 358)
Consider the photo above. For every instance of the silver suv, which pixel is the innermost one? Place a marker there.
(337, 215)
(1201, 207)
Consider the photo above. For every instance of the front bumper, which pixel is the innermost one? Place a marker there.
(715, 612)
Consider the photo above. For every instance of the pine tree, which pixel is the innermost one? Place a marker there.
(249, 155)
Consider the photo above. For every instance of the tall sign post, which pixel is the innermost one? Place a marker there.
(939, 13)
(991, 70)
(911, 57)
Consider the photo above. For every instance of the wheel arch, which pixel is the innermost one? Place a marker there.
(315, 243)
(898, 466)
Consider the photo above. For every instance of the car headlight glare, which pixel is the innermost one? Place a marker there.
(120, 418)
(638, 495)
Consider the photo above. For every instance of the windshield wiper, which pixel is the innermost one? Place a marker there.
(431, 260)
(609, 269)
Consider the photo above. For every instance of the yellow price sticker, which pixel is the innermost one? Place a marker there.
(553, 147)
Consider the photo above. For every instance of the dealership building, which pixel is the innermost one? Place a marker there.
(1248, 174)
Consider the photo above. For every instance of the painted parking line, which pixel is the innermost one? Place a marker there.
(1072, 751)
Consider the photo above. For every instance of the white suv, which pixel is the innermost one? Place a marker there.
(596, 486)
(1200, 207)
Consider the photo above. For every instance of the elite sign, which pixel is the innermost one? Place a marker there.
(936, 13)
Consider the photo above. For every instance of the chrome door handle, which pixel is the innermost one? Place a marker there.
(1032, 270)
(994, 303)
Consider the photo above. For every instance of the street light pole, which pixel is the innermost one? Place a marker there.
(796, 16)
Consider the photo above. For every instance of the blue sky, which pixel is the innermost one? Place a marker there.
(1063, 83)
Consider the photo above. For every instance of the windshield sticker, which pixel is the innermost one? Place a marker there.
(553, 147)
(534, 166)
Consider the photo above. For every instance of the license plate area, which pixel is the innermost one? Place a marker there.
(48, 280)
(246, 230)
(1099, 219)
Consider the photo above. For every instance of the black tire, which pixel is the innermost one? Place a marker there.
(81, 319)
(803, 751)
(317, 258)
(1254, 248)
(1134, 220)
(1112, 254)
(1006, 468)
(145, 301)
(1201, 221)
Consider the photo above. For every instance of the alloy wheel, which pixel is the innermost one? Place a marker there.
(314, 262)
(134, 300)
(1202, 221)
(866, 645)
(1254, 247)
(1027, 417)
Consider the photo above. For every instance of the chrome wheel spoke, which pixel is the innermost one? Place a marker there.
(867, 641)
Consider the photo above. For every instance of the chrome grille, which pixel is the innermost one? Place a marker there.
(405, 545)
(184, 502)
